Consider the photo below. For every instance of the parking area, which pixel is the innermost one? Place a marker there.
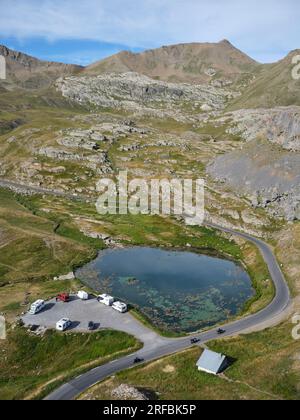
(82, 312)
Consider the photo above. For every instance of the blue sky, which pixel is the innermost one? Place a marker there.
(84, 31)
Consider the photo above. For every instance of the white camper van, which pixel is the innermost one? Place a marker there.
(106, 299)
(63, 324)
(36, 307)
(120, 307)
(83, 295)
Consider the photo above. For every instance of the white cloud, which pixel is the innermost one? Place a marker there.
(256, 25)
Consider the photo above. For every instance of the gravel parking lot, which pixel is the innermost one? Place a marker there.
(82, 312)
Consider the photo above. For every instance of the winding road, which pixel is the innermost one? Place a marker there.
(161, 347)
(149, 353)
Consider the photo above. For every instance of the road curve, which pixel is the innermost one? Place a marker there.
(276, 308)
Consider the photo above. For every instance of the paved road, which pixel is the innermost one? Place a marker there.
(278, 306)
(165, 347)
(22, 188)
(6, 183)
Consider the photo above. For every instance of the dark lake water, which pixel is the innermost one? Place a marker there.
(177, 291)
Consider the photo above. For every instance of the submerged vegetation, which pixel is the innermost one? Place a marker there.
(178, 291)
(55, 226)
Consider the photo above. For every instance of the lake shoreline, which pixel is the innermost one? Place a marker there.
(190, 252)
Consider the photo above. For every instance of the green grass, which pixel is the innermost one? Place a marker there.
(262, 284)
(15, 298)
(36, 246)
(136, 230)
(131, 230)
(213, 239)
(265, 368)
(28, 362)
(157, 231)
(66, 230)
(272, 355)
(218, 132)
(272, 87)
(11, 307)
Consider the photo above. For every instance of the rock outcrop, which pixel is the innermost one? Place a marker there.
(98, 162)
(126, 392)
(269, 178)
(132, 91)
(279, 125)
(81, 139)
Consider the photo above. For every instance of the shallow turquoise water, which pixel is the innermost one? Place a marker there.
(177, 291)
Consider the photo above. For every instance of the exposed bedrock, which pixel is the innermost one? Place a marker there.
(266, 175)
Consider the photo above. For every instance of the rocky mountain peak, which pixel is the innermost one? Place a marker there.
(194, 63)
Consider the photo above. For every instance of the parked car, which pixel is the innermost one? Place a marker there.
(34, 328)
(63, 297)
(63, 324)
(37, 307)
(91, 326)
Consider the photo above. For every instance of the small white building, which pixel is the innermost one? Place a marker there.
(213, 363)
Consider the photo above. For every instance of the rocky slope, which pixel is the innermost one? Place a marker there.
(192, 63)
(135, 92)
(267, 176)
(30, 73)
(181, 129)
(273, 86)
(267, 168)
(279, 125)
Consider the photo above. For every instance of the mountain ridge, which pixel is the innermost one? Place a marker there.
(274, 86)
(190, 62)
(217, 64)
(26, 71)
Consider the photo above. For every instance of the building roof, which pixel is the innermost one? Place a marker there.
(211, 362)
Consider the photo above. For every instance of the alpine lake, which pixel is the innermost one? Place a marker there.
(177, 291)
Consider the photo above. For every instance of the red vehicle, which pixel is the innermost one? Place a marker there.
(63, 297)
